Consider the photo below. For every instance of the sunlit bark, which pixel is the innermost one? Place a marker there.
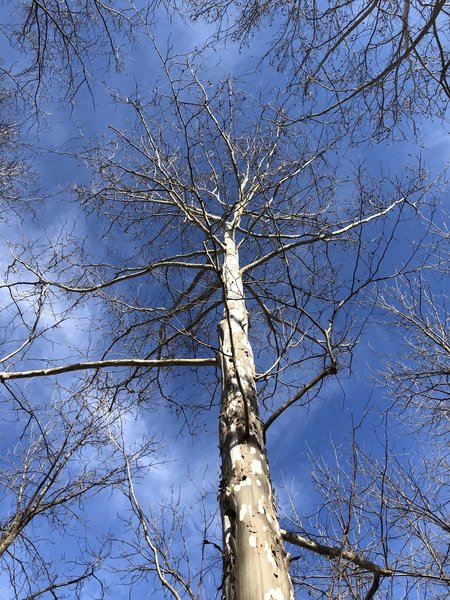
(255, 562)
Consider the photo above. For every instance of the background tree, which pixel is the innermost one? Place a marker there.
(63, 460)
(393, 510)
(391, 61)
(419, 376)
(65, 42)
(17, 181)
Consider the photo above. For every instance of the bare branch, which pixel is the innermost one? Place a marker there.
(334, 552)
(103, 364)
(331, 370)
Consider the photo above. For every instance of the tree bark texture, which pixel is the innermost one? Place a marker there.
(255, 561)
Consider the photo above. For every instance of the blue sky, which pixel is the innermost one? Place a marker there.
(293, 436)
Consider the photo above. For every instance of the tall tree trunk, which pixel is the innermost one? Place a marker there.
(255, 562)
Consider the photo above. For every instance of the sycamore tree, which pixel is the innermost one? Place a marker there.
(235, 248)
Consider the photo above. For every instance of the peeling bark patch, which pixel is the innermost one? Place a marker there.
(235, 452)
(252, 541)
(274, 594)
(244, 510)
(256, 467)
(271, 559)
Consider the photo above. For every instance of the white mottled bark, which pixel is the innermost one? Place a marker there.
(255, 562)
